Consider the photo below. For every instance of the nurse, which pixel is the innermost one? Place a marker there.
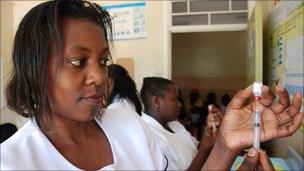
(159, 96)
(60, 81)
(123, 89)
(160, 99)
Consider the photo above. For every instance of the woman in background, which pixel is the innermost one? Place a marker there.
(160, 99)
(123, 89)
(161, 107)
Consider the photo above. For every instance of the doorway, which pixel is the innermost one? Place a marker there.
(209, 62)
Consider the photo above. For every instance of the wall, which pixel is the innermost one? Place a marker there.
(209, 61)
(6, 43)
(146, 52)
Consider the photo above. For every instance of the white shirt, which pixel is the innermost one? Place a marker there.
(180, 147)
(134, 144)
(123, 103)
(30, 149)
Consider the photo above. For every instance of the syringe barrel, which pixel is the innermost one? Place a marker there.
(256, 138)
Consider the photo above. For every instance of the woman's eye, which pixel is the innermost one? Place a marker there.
(78, 62)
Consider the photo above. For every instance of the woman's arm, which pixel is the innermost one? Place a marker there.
(221, 157)
(207, 141)
(204, 149)
(278, 119)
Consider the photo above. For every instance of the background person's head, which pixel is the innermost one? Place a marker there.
(225, 100)
(211, 97)
(194, 96)
(6, 131)
(123, 86)
(160, 98)
(48, 57)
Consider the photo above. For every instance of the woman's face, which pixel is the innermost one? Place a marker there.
(76, 88)
(169, 104)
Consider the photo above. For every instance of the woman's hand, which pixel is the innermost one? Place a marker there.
(214, 118)
(278, 118)
(255, 160)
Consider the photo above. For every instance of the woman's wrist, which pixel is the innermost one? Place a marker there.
(208, 139)
(220, 152)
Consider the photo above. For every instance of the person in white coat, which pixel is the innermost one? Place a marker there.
(160, 99)
(124, 110)
(161, 107)
(123, 89)
(60, 81)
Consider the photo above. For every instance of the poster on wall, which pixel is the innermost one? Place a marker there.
(287, 42)
(129, 20)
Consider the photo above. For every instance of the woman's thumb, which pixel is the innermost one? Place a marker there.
(250, 160)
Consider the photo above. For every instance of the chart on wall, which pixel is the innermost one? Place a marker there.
(129, 20)
(287, 38)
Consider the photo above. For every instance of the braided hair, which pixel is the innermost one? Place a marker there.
(124, 86)
(153, 86)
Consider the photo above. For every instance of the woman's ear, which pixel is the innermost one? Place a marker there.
(155, 101)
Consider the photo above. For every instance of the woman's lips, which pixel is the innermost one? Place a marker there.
(94, 99)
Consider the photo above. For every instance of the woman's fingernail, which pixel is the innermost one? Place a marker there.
(266, 88)
(252, 152)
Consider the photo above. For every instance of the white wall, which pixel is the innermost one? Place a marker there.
(11, 14)
(6, 43)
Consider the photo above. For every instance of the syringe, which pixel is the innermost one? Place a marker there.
(213, 122)
(257, 91)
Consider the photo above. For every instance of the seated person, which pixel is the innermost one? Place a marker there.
(160, 98)
(224, 102)
(196, 114)
(123, 88)
(211, 99)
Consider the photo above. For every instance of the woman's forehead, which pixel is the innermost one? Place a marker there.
(81, 30)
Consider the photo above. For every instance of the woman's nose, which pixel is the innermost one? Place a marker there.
(97, 75)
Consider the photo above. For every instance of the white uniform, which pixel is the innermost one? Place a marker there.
(132, 146)
(179, 147)
(30, 149)
(133, 143)
(123, 103)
